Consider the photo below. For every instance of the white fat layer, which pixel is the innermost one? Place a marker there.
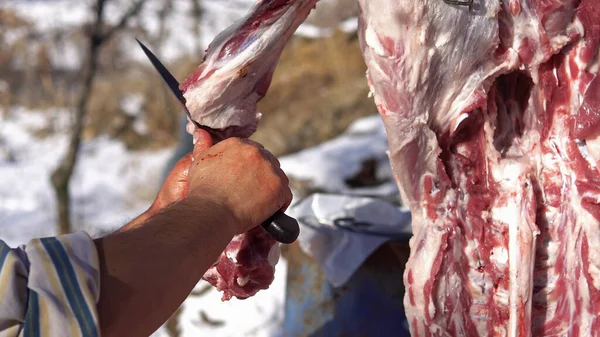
(499, 256)
(273, 256)
(589, 224)
(515, 260)
(507, 171)
(242, 281)
(479, 285)
(443, 39)
(231, 255)
(432, 242)
(373, 41)
(590, 150)
(583, 149)
(577, 26)
(262, 38)
(501, 296)
(511, 211)
(508, 214)
(594, 66)
(499, 330)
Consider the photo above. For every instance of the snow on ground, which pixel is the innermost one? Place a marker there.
(328, 165)
(258, 316)
(103, 180)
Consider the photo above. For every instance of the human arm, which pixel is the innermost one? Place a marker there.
(127, 285)
(148, 271)
(150, 265)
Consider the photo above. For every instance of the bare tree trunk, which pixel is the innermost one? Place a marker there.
(197, 13)
(61, 176)
(170, 108)
(163, 13)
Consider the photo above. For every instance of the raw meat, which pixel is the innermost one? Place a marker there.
(221, 94)
(493, 117)
(237, 70)
(246, 266)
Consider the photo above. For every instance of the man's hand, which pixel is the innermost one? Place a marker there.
(236, 174)
(175, 186)
(242, 176)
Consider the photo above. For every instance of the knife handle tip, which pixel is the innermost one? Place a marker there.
(282, 227)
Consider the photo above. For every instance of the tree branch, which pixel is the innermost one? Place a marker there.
(61, 176)
(134, 10)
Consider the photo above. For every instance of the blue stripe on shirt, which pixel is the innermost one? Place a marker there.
(70, 285)
(32, 318)
(4, 250)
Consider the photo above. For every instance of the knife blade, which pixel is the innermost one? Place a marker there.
(168, 78)
(280, 226)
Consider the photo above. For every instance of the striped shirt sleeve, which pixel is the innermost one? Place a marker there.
(50, 287)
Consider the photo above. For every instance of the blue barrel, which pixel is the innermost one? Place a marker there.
(369, 304)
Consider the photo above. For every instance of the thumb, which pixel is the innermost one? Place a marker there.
(202, 141)
(175, 186)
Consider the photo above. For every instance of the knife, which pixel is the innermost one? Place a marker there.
(280, 226)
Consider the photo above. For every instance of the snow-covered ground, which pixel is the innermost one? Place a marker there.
(111, 185)
(102, 182)
(327, 166)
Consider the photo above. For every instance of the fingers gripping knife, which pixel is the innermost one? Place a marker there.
(281, 227)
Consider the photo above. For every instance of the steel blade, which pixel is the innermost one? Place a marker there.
(167, 77)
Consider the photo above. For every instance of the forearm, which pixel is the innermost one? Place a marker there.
(139, 220)
(142, 218)
(148, 271)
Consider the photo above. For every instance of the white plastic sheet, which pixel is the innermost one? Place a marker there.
(341, 231)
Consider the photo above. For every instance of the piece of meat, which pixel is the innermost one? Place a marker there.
(222, 94)
(492, 116)
(238, 67)
(246, 266)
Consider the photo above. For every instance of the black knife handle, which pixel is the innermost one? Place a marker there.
(282, 228)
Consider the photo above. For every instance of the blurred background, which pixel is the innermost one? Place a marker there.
(87, 128)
